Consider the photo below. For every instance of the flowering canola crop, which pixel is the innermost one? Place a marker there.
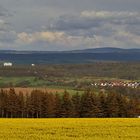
(70, 129)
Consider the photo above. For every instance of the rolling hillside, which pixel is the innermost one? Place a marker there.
(76, 56)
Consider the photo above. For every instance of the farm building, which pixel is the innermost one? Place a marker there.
(32, 65)
(7, 64)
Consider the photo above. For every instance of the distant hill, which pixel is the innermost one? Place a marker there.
(105, 50)
(92, 50)
(75, 56)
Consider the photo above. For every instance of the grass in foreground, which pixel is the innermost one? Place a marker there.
(70, 129)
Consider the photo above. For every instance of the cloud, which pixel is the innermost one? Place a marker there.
(91, 19)
(40, 36)
(69, 24)
(74, 23)
(89, 29)
(118, 39)
(4, 12)
(109, 14)
(127, 37)
(113, 17)
(7, 35)
(56, 38)
(4, 26)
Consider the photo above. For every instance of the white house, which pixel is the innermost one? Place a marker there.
(7, 64)
(32, 65)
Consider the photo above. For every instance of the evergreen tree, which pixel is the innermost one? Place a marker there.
(102, 105)
(38, 104)
(50, 106)
(35, 103)
(89, 105)
(133, 108)
(112, 105)
(122, 106)
(3, 103)
(12, 103)
(76, 99)
(21, 105)
(57, 106)
(67, 106)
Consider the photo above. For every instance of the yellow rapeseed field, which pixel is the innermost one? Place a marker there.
(70, 129)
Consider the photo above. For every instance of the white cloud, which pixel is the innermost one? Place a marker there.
(109, 14)
(87, 30)
(41, 36)
(57, 38)
(127, 37)
(106, 29)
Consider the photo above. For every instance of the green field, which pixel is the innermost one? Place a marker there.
(21, 81)
(70, 129)
(59, 82)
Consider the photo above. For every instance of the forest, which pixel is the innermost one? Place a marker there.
(39, 104)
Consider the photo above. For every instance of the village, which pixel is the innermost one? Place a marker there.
(132, 84)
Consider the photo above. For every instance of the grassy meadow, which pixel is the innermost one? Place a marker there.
(70, 129)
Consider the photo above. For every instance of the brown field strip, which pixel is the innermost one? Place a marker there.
(29, 89)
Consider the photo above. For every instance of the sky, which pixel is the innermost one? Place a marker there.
(54, 25)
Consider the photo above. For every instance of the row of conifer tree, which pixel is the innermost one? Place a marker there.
(39, 104)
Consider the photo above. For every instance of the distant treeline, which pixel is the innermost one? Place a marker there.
(39, 104)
